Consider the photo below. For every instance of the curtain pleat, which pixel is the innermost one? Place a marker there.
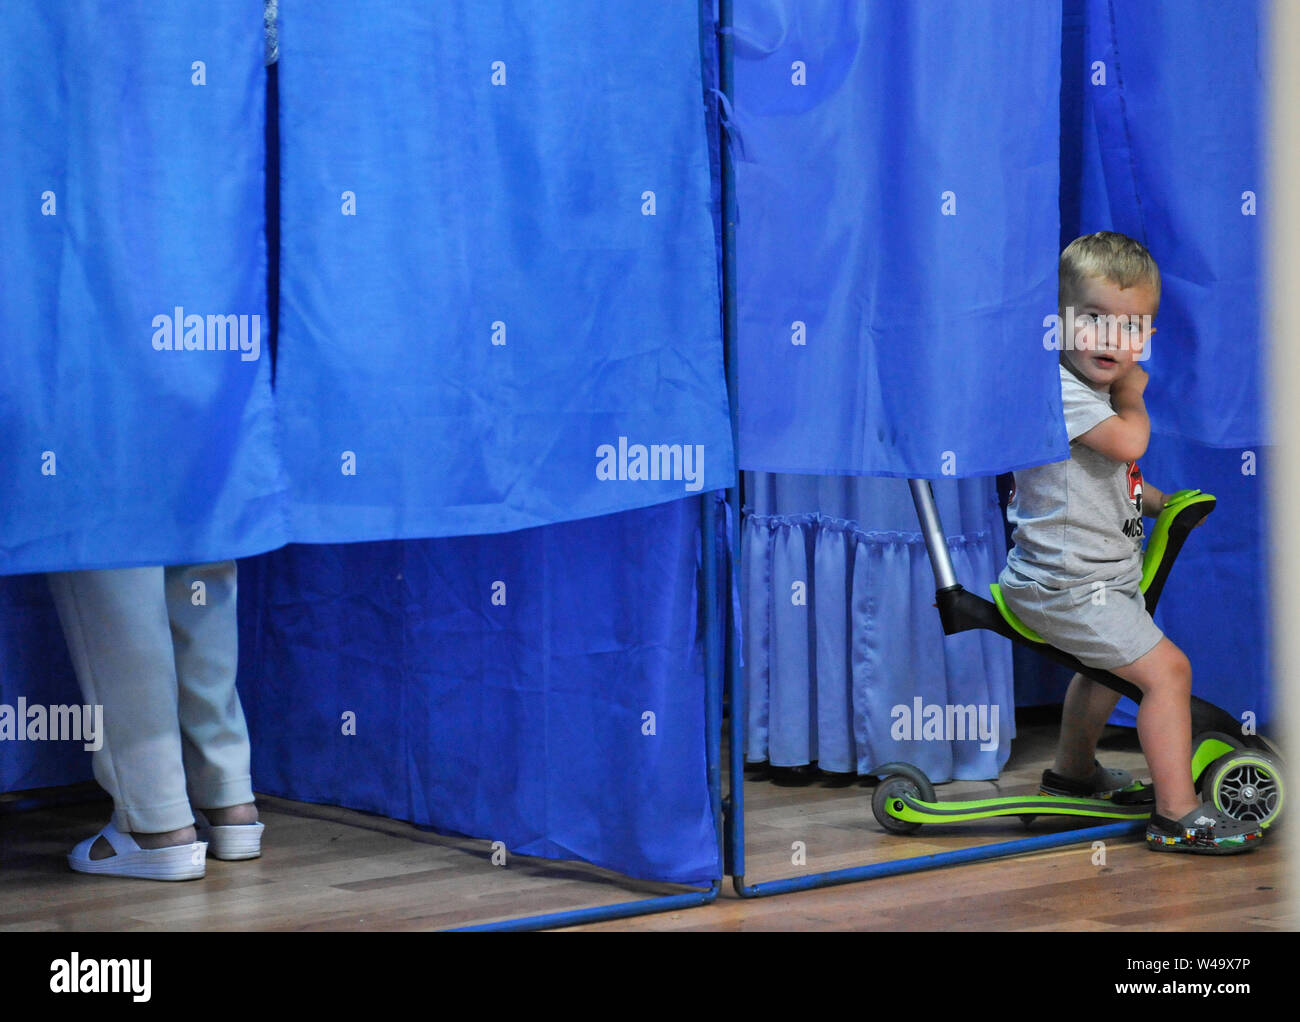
(841, 630)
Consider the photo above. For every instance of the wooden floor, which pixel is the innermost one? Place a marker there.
(335, 869)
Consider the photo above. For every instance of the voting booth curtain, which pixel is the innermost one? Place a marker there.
(498, 385)
(498, 298)
(897, 257)
(132, 159)
(499, 312)
(1162, 139)
(897, 261)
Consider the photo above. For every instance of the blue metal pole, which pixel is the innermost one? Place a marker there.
(578, 917)
(734, 806)
(918, 863)
(712, 671)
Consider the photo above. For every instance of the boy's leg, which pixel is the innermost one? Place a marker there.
(1164, 725)
(205, 635)
(1087, 708)
(115, 624)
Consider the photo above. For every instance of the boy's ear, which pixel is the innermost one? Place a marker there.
(1146, 342)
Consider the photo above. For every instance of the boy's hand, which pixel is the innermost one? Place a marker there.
(1162, 501)
(1125, 435)
(1132, 384)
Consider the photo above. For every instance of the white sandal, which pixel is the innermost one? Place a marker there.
(177, 862)
(238, 841)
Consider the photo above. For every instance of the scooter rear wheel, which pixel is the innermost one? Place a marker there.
(897, 780)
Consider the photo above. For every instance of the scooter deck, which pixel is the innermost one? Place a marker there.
(916, 810)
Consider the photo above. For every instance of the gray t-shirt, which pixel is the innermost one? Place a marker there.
(1077, 521)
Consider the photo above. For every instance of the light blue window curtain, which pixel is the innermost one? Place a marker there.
(897, 245)
(499, 315)
(1161, 139)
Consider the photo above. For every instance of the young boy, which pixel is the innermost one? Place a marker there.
(1073, 574)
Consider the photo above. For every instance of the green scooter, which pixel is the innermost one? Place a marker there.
(1242, 775)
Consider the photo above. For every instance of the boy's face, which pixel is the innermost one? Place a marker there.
(1110, 333)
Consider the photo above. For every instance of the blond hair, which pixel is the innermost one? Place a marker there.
(1105, 255)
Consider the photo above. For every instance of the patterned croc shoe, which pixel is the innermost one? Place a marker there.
(1203, 831)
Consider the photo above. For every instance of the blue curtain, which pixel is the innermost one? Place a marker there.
(1158, 128)
(897, 191)
(896, 259)
(34, 667)
(842, 630)
(1161, 139)
(530, 276)
(498, 262)
(498, 292)
(500, 686)
(493, 270)
(131, 150)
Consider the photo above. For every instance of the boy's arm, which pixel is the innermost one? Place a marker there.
(1153, 501)
(1125, 435)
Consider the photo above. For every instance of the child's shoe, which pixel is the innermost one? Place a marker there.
(1204, 831)
(240, 841)
(1105, 782)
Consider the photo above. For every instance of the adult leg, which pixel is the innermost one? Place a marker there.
(201, 606)
(115, 624)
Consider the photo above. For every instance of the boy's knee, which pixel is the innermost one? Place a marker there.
(1178, 665)
(1166, 667)
(1167, 683)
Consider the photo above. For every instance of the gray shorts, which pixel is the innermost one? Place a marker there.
(1104, 627)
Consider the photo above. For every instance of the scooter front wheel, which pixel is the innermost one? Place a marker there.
(896, 781)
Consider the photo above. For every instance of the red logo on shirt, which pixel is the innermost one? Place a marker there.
(1135, 486)
(1133, 527)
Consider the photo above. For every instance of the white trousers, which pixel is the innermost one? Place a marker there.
(160, 653)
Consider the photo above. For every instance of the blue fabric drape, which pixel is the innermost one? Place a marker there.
(500, 687)
(1160, 139)
(869, 345)
(521, 212)
(842, 628)
(897, 236)
(34, 667)
(498, 282)
(1169, 101)
(528, 278)
(131, 154)
(898, 220)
